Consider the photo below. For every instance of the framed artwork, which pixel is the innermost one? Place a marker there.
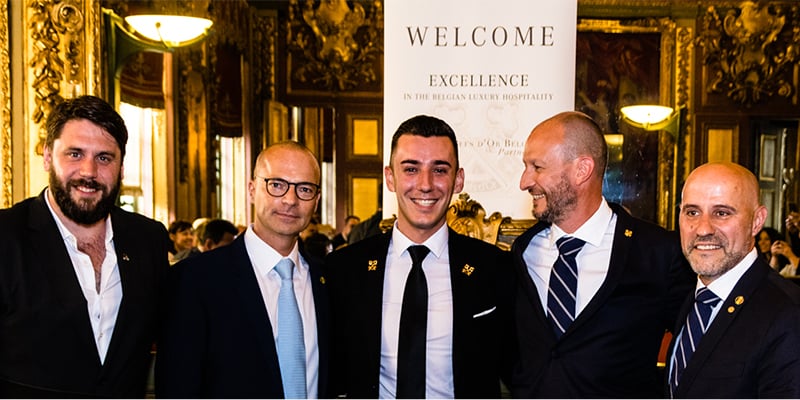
(622, 63)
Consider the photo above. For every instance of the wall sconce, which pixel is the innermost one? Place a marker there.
(155, 33)
(653, 118)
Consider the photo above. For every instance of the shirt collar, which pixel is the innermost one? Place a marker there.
(437, 243)
(65, 233)
(592, 231)
(723, 286)
(264, 255)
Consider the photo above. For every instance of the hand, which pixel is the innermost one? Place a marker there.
(782, 248)
(793, 222)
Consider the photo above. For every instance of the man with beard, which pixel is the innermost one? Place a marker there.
(738, 335)
(597, 287)
(79, 277)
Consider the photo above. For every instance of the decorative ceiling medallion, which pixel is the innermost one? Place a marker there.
(750, 51)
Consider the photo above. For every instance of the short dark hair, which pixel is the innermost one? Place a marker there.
(91, 108)
(216, 229)
(179, 226)
(425, 126)
(349, 217)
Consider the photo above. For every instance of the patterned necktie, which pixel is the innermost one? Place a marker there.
(291, 346)
(413, 330)
(563, 284)
(696, 325)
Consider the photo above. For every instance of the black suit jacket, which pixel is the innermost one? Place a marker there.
(752, 348)
(217, 340)
(47, 347)
(612, 347)
(481, 343)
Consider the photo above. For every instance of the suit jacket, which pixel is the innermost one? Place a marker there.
(47, 347)
(752, 348)
(611, 348)
(481, 340)
(217, 340)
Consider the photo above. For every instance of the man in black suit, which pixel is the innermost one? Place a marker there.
(458, 348)
(225, 332)
(741, 338)
(601, 336)
(79, 277)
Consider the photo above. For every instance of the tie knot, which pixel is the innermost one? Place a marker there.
(706, 297)
(569, 245)
(418, 253)
(284, 268)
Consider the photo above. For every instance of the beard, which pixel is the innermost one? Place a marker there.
(713, 267)
(561, 200)
(83, 212)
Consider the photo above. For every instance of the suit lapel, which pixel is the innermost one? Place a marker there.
(127, 274)
(725, 316)
(373, 272)
(526, 282)
(624, 235)
(321, 312)
(251, 301)
(59, 272)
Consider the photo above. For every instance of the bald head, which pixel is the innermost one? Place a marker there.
(579, 136)
(728, 175)
(278, 153)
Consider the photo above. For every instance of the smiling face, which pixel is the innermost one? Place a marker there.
(423, 174)
(719, 218)
(764, 242)
(85, 171)
(279, 220)
(547, 176)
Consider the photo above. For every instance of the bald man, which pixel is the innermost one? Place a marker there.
(629, 278)
(747, 341)
(224, 333)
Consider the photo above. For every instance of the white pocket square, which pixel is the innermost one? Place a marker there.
(482, 313)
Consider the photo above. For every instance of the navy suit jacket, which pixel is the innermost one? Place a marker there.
(217, 340)
(611, 348)
(482, 285)
(752, 348)
(47, 347)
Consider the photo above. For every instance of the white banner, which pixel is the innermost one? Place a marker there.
(492, 70)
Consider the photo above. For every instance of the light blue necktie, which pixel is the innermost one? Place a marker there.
(291, 347)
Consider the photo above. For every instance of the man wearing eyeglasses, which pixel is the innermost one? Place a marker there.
(250, 319)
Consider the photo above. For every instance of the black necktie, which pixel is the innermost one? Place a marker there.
(413, 330)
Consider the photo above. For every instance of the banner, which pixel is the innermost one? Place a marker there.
(492, 70)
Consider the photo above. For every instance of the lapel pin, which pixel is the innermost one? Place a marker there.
(322, 280)
(731, 309)
(628, 233)
(467, 270)
(372, 265)
(125, 257)
(739, 300)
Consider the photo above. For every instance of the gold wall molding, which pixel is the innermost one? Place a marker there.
(5, 110)
(333, 47)
(750, 52)
(54, 25)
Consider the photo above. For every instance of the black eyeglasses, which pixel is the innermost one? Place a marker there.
(278, 187)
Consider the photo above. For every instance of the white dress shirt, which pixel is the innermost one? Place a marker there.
(103, 307)
(592, 260)
(439, 349)
(264, 258)
(722, 287)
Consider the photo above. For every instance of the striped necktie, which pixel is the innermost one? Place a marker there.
(696, 325)
(563, 284)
